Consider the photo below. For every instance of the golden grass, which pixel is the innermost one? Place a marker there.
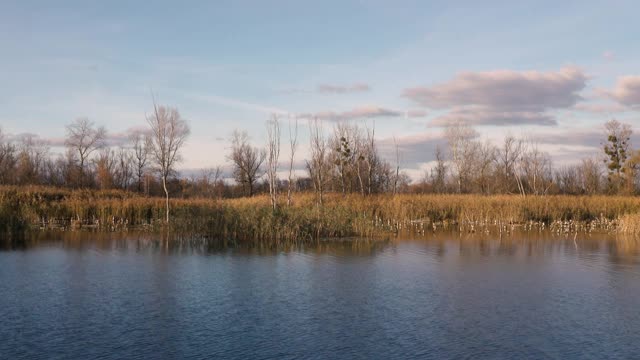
(354, 215)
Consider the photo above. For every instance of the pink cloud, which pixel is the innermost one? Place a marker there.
(488, 116)
(627, 90)
(505, 89)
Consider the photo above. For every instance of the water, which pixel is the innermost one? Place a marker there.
(88, 296)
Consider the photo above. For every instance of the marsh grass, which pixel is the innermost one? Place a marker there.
(253, 219)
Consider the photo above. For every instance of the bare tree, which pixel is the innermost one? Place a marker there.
(507, 158)
(396, 178)
(7, 159)
(169, 132)
(485, 161)
(83, 138)
(319, 166)
(439, 173)
(369, 156)
(273, 155)
(590, 175)
(210, 181)
(141, 144)
(293, 145)
(462, 149)
(247, 161)
(124, 167)
(32, 156)
(536, 170)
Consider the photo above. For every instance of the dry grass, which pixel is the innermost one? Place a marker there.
(252, 218)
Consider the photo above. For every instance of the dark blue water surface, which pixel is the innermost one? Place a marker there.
(89, 297)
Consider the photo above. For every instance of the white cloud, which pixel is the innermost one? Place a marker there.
(364, 112)
(342, 89)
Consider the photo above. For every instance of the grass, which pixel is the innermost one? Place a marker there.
(252, 219)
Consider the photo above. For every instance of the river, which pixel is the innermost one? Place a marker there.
(525, 296)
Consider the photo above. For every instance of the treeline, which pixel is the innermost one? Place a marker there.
(520, 166)
(342, 159)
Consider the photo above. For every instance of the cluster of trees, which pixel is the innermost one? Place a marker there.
(344, 159)
(519, 166)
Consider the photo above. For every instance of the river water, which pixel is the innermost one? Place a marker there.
(66, 296)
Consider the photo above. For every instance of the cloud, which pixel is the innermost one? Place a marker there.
(582, 138)
(364, 112)
(226, 101)
(484, 116)
(503, 97)
(608, 55)
(342, 89)
(601, 108)
(505, 89)
(413, 149)
(627, 90)
(415, 113)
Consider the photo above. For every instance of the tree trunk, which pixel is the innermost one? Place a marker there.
(166, 192)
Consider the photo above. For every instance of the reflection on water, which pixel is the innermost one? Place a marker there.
(446, 295)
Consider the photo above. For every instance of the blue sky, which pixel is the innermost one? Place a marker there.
(555, 71)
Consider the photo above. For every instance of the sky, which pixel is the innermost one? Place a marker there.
(550, 71)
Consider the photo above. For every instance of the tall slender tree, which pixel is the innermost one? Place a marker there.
(273, 155)
(169, 132)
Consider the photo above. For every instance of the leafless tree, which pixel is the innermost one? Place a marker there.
(439, 173)
(319, 166)
(293, 145)
(124, 167)
(247, 161)
(462, 149)
(507, 158)
(370, 157)
(590, 175)
(485, 161)
(273, 156)
(7, 159)
(141, 146)
(169, 132)
(536, 170)
(208, 182)
(566, 180)
(83, 138)
(32, 156)
(396, 178)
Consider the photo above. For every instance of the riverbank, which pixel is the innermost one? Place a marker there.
(253, 219)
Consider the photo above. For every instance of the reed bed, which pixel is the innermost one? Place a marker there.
(253, 219)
